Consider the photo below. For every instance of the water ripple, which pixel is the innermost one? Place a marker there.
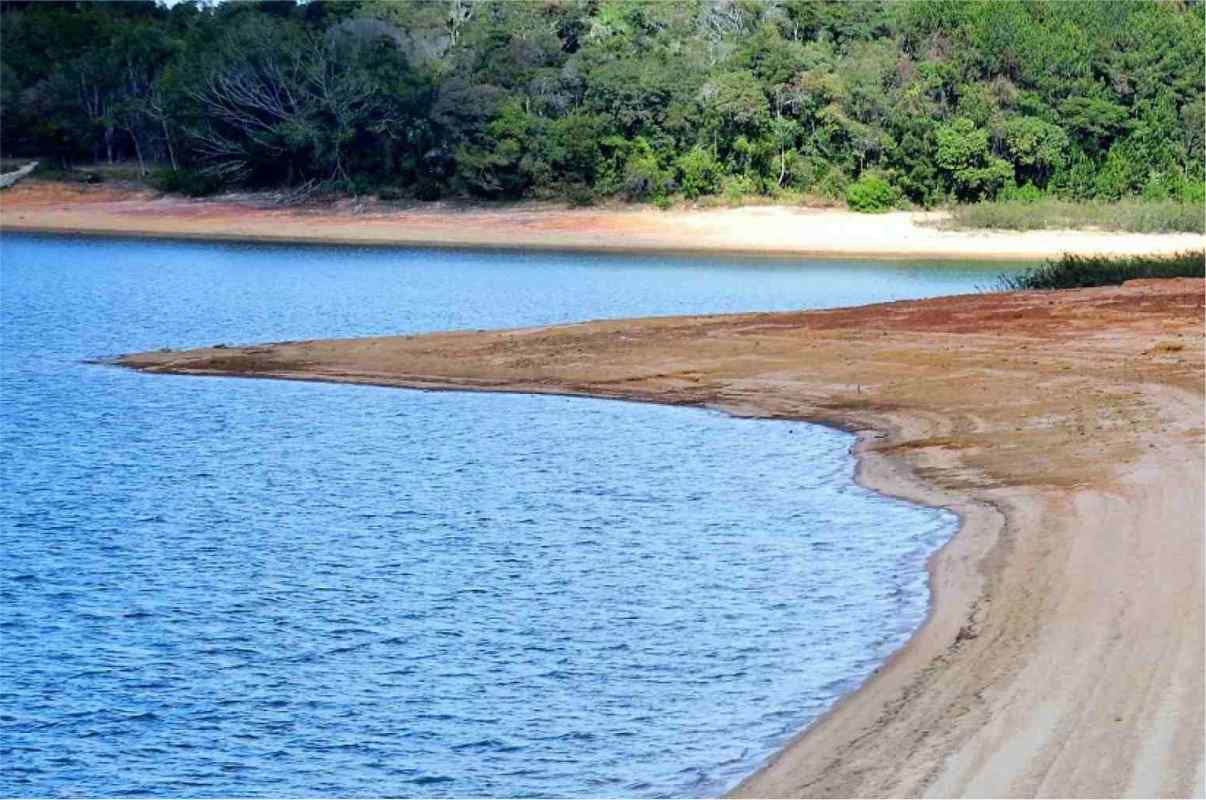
(218, 587)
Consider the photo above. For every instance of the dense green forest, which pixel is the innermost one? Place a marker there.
(923, 101)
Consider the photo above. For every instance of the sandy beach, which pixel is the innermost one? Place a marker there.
(1064, 651)
(758, 230)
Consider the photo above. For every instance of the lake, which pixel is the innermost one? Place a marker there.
(215, 587)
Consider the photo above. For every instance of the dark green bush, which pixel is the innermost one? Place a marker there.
(736, 188)
(193, 183)
(391, 193)
(699, 173)
(580, 196)
(1026, 193)
(644, 179)
(872, 194)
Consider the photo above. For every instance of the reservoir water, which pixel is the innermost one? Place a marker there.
(215, 587)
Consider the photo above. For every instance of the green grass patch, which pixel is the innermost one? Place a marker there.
(1071, 272)
(1137, 216)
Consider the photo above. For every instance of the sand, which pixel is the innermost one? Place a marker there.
(1063, 655)
(765, 230)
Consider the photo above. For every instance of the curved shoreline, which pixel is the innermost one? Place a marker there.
(1060, 654)
(885, 475)
(760, 231)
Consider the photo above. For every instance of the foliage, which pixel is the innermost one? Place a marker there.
(1026, 193)
(1047, 213)
(191, 182)
(1072, 271)
(698, 173)
(641, 99)
(736, 188)
(871, 193)
(965, 157)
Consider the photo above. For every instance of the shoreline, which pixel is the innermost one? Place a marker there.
(750, 231)
(185, 237)
(885, 475)
(941, 715)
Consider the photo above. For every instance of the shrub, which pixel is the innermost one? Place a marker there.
(391, 193)
(699, 172)
(1026, 193)
(1193, 191)
(428, 189)
(737, 187)
(832, 183)
(644, 178)
(580, 196)
(191, 182)
(872, 194)
(1071, 271)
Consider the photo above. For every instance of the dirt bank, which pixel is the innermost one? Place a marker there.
(767, 230)
(1064, 652)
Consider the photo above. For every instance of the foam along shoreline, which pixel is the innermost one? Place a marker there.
(1063, 653)
(42, 207)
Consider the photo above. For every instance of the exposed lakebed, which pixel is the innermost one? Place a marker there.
(216, 587)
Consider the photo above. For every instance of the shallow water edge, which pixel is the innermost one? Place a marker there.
(769, 253)
(888, 475)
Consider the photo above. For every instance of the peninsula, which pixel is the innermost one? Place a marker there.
(1063, 655)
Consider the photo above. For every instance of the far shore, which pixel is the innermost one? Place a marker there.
(1064, 650)
(107, 210)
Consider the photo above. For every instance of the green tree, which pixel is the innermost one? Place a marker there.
(964, 155)
(698, 172)
(1036, 147)
(577, 97)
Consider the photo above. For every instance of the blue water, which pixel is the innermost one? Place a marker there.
(214, 587)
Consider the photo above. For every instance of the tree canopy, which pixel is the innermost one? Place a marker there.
(923, 99)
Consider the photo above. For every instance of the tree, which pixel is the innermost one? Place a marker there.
(1037, 148)
(573, 97)
(964, 155)
(699, 172)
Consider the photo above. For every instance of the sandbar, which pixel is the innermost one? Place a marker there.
(1064, 650)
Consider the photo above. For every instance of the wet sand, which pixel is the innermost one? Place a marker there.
(760, 230)
(1064, 652)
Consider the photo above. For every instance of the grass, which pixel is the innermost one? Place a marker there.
(780, 197)
(1071, 272)
(1137, 216)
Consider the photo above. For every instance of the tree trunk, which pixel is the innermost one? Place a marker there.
(142, 167)
(167, 138)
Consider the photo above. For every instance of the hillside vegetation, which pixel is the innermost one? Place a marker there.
(922, 102)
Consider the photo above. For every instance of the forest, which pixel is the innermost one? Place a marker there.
(878, 104)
